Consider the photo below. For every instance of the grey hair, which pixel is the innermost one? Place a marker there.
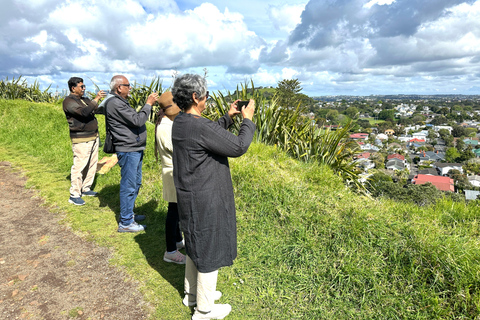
(184, 87)
(116, 80)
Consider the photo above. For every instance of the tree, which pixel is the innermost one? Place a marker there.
(364, 123)
(387, 115)
(332, 116)
(452, 154)
(287, 93)
(458, 131)
(432, 135)
(437, 121)
(352, 112)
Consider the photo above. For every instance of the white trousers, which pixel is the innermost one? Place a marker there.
(82, 174)
(200, 285)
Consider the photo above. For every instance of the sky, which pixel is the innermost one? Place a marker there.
(333, 47)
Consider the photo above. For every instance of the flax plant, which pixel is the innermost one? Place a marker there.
(19, 89)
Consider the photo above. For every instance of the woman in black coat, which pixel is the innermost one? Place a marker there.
(205, 198)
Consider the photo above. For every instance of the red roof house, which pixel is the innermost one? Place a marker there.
(396, 156)
(417, 140)
(441, 183)
(362, 136)
(364, 155)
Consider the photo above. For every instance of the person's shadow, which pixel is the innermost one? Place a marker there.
(152, 241)
(153, 244)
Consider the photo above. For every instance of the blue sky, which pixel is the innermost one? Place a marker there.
(348, 47)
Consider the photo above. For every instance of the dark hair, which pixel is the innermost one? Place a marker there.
(184, 87)
(73, 81)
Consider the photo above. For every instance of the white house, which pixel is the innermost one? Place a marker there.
(444, 168)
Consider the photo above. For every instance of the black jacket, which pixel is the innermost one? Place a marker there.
(126, 125)
(80, 113)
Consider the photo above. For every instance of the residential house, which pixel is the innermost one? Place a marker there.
(444, 168)
(470, 142)
(381, 136)
(474, 180)
(471, 194)
(438, 128)
(416, 143)
(370, 147)
(395, 164)
(397, 156)
(405, 138)
(441, 183)
(422, 135)
(430, 171)
(359, 136)
(431, 156)
(389, 132)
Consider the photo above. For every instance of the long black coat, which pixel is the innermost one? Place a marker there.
(202, 179)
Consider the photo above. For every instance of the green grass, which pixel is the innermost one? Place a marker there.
(373, 121)
(308, 248)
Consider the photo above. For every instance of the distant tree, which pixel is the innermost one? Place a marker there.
(444, 111)
(438, 121)
(332, 116)
(466, 154)
(352, 112)
(470, 132)
(452, 154)
(399, 130)
(418, 119)
(432, 135)
(364, 123)
(472, 168)
(387, 115)
(287, 93)
(443, 133)
(460, 180)
(458, 131)
(378, 159)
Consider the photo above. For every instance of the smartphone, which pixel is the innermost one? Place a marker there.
(241, 104)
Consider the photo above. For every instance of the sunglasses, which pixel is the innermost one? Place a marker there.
(125, 85)
(82, 86)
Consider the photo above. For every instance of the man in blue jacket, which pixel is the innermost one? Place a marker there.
(130, 138)
(80, 114)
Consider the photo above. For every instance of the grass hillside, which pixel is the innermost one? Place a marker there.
(308, 247)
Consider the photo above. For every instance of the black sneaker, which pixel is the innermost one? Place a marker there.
(90, 193)
(76, 201)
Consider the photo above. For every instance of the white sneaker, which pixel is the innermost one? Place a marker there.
(190, 300)
(176, 257)
(219, 311)
(181, 245)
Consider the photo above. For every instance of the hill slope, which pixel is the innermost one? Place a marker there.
(308, 247)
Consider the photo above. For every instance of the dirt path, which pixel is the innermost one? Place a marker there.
(47, 272)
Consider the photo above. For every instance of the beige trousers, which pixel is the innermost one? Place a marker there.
(201, 285)
(85, 158)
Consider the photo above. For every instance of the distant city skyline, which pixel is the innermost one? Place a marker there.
(334, 47)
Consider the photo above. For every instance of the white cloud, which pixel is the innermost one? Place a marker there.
(285, 17)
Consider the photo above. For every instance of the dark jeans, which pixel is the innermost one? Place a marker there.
(131, 181)
(172, 230)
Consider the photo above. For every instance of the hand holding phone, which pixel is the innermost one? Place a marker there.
(242, 104)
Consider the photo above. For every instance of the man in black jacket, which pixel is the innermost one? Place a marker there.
(130, 138)
(80, 113)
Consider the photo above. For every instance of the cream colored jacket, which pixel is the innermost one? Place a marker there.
(165, 148)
